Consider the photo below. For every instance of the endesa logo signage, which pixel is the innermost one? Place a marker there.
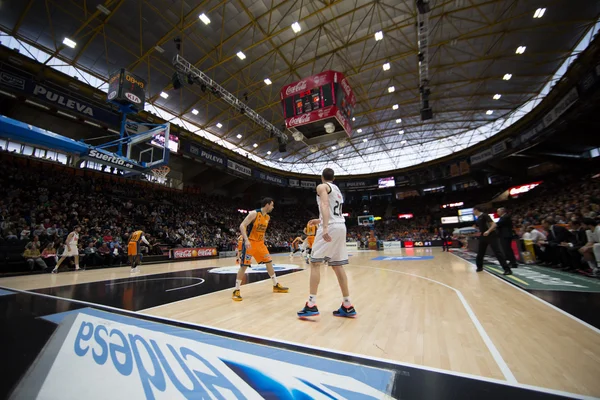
(100, 355)
(193, 252)
(518, 190)
(405, 216)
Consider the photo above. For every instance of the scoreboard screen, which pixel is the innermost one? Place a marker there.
(127, 88)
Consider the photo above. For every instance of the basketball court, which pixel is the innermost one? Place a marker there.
(434, 326)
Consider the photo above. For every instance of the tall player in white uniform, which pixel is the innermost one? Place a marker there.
(71, 250)
(329, 246)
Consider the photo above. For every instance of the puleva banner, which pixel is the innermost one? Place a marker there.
(100, 355)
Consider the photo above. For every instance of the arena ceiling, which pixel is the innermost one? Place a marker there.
(473, 45)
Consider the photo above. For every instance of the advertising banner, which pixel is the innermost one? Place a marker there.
(308, 185)
(204, 155)
(239, 168)
(53, 97)
(193, 252)
(277, 180)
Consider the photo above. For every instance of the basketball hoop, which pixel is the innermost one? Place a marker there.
(161, 173)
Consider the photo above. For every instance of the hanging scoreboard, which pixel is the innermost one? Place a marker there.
(127, 88)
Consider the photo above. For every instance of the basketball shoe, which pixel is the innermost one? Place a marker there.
(348, 312)
(236, 295)
(308, 311)
(280, 289)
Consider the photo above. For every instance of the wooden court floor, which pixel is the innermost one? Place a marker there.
(436, 313)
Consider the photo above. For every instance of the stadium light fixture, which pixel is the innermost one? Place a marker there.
(255, 145)
(195, 112)
(219, 125)
(489, 112)
(386, 66)
(164, 95)
(204, 19)
(521, 49)
(365, 140)
(239, 136)
(269, 153)
(507, 77)
(395, 107)
(539, 13)
(359, 131)
(268, 81)
(403, 142)
(378, 36)
(296, 27)
(241, 55)
(401, 132)
(497, 96)
(399, 120)
(391, 89)
(281, 159)
(68, 42)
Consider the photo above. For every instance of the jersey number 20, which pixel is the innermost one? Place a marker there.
(337, 209)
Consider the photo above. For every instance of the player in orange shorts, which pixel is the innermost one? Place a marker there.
(310, 231)
(133, 249)
(253, 229)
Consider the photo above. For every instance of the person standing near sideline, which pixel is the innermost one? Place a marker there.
(489, 237)
(505, 232)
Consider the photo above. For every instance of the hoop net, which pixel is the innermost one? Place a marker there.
(161, 173)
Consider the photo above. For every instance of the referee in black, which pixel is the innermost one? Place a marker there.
(487, 227)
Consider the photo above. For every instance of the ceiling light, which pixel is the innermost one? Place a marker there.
(507, 77)
(521, 49)
(204, 19)
(497, 96)
(281, 159)
(353, 119)
(359, 131)
(219, 125)
(391, 89)
(239, 136)
(296, 27)
(159, 49)
(401, 132)
(378, 36)
(386, 66)
(539, 13)
(399, 120)
(334, 148)
(268, 81)
(268, 153)
(103, 9)
(489, 112)
(365, 140)
(241, 55)
(69, 42)
(255, 145)
(195, 112)
(403, 142)
(164, 95)
(340, 155)
(395, 107)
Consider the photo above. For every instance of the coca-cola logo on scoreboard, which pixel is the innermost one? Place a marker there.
(298, 87)
(302, 119)
(193, 252)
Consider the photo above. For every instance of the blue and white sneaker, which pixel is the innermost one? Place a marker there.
(348, 312)
(308, 311)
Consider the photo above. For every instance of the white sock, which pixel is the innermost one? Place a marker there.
(592, 265)
(274, 279)
(238, 282)
(347, 302)
(312, 300)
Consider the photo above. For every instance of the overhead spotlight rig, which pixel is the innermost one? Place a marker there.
(196, 76)
(423, 11)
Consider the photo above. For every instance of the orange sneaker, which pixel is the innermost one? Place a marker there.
(280, 289)
(236, 295)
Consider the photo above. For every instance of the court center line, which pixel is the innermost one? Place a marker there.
(563, 312)
(508, 375)
(133, 314)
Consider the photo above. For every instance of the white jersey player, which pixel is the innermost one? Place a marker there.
(71, 250)
(329, 246)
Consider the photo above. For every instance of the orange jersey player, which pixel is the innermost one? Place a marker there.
(310, 231)
(133, 249)
(253, 229)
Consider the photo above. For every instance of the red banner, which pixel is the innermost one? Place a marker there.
(193, 252)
